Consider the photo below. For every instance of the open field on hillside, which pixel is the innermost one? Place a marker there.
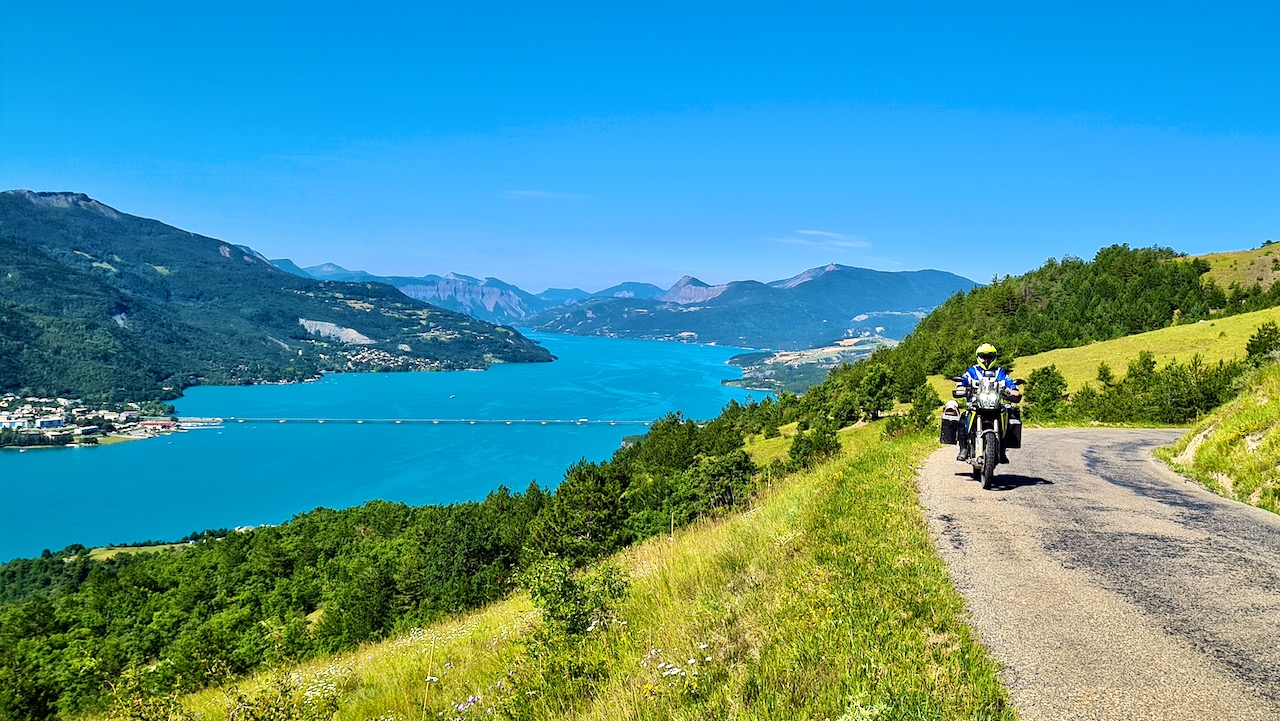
(824, 600)
(104, 553)
(767, 450)
(1259, 266)
(1215, 340)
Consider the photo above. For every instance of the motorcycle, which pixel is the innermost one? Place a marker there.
(991, 421)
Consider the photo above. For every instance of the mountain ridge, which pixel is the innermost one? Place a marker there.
(824, 306)
(102, 304)
(784, 314)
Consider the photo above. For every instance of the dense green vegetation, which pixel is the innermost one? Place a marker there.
(9, 437)
(1071, 302)
(776, 615)
(1064, 303)
(1174, 394)
(328, 580)
(824, 600)
(105, 306)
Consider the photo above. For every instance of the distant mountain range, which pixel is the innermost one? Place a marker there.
(99, 304)
(490, 299)
(815, 308)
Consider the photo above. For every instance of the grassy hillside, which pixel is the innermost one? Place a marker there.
(822, 601)
(1215, 340)
(1235, 452)
(1259, 266)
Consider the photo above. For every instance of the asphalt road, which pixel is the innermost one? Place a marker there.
(1110, 587)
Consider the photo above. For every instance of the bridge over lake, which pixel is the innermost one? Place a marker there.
(197, 422)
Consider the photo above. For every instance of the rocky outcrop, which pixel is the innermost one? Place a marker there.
(489, 299)
(325, 329)
(691, 290)
(66, 200)
(805, 277)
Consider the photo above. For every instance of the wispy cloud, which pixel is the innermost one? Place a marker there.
(824, 239)
(543, 195)
(884, 262)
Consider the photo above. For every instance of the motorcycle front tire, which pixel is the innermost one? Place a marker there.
(990, 457)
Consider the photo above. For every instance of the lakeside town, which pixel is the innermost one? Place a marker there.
(31, 421)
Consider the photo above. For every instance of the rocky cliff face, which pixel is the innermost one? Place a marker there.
(489, 299)
(65, 200)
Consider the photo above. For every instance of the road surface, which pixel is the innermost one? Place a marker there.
(1110, 587)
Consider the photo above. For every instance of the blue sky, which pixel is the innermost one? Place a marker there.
(583, 144)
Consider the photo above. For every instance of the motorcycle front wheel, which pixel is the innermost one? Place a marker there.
(990, 456)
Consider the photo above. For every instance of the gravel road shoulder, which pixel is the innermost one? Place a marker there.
(1110, 587)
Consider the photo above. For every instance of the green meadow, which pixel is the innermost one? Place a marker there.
(1214, 340)
(1257, 266)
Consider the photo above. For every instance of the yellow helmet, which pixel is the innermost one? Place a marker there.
(986, 356)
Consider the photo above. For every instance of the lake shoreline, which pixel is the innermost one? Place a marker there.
(250, 474)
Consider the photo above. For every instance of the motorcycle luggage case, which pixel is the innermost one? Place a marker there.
(950, 426)
(1013, 434)
(950, 431)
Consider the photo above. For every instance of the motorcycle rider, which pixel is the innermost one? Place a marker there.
(986, 359)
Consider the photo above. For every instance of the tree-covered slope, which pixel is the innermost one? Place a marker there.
(1067, 303)
(101, 304)
(329, 580)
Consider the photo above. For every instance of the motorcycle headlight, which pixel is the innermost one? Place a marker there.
(989, 399)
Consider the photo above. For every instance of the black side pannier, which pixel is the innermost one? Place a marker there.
(1013, 434)
(950, 427)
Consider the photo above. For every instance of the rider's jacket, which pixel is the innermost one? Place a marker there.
(975, 372)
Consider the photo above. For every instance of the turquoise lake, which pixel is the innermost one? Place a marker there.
(254, 473)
